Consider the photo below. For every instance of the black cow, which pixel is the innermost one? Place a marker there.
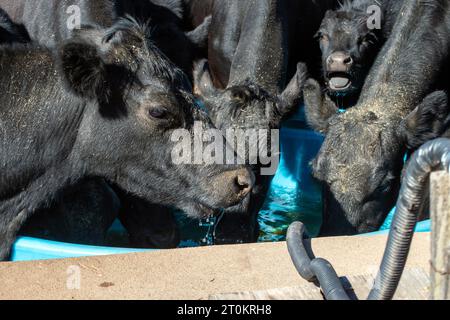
(105, 106)
(300, 21)
(350, 39)
(48, 22)
(253, 46)
(361, 160)
(86, 220)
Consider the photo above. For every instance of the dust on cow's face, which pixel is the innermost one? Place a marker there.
(359, 164)
(243, 107)
(247, 105)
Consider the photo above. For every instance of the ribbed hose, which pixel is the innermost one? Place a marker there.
(297, 251)
(329, 281)
(316, 269)
(434, 155)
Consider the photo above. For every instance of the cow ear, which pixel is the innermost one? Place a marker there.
(199, 36)
(329, 14)
(319, 108)
(203, 84)
(83, 68)
(290, 98)
(241, 94)
(427, 122)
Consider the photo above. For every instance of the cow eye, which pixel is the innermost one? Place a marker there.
(364, 39)
(158, 113)
(321, 36)
(367, 40)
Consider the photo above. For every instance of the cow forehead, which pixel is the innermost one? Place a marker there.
(352, 143)
(348, 23)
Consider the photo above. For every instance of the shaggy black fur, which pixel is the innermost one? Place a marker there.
(361, 160)
(47, 22)
(54, 133)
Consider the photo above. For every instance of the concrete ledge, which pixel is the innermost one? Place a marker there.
(195, 273)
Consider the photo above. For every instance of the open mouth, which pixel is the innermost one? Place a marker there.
(339, 81)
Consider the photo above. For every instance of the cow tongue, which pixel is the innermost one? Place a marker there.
(339, 83)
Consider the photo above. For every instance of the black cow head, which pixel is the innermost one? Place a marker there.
(349, 49)
(361, 180)
(247, 105)
(136, 100)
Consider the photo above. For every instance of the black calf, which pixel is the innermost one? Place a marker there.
(350, 39)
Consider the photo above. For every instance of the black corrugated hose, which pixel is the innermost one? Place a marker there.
(432, 156)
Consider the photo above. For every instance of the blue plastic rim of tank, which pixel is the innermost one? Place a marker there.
(27, 249)
(423, 226)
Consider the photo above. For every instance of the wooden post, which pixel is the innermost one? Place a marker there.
(440, 236)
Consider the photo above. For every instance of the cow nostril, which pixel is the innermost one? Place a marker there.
(244, 184)
(330, 60)
(338, 60)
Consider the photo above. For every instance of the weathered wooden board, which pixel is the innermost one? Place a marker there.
(306, 292)
(440, 241)
(414, 285)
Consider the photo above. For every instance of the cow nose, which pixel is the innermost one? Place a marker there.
(339, 62)
(244, 182)
(231, 187)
